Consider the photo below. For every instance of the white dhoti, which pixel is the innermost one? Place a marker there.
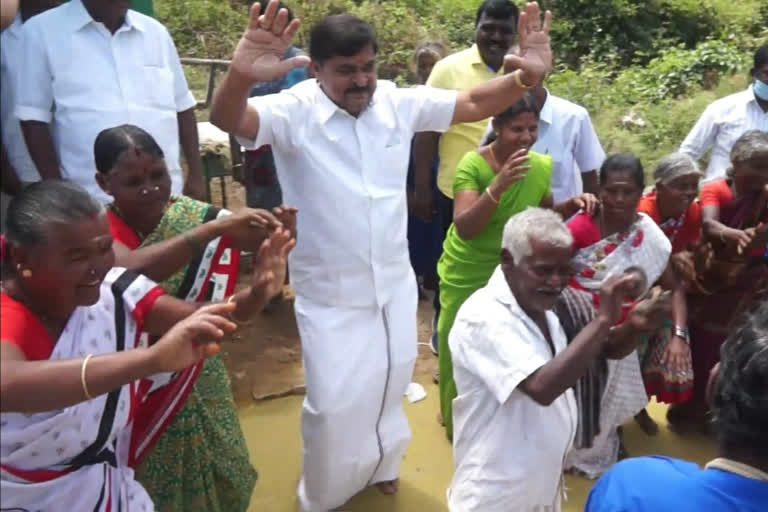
(357, 364)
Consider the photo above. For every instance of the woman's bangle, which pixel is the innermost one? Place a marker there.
(82, 377)
(682, 332)
(490, 196)
(232, 315)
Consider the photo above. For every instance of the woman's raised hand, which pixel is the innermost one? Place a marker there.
(259, 54)
(192, 339)
(247, 228)
(287, 216)
(512, 171)
(270, 264)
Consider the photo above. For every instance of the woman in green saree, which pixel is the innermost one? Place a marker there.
(491, 185)
(191, 248)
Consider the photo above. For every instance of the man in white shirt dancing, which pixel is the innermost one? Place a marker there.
(341, 144)
(515, 416)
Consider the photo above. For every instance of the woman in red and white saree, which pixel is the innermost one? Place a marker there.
(610, 242)
(78, 374)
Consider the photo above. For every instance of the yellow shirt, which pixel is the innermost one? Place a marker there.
(460, 71)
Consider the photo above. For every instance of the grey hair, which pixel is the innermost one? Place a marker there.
(673, 166)
(752, 145)
(43, 203)
(534, 224)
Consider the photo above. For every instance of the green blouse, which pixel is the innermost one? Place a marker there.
(471, 262)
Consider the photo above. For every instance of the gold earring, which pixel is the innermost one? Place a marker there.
(26, 273)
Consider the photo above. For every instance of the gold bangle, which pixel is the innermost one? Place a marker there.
(230, 300)
(82, 377)
(490, 196)
(519, 81)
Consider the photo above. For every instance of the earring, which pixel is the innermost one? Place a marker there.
(26, 273)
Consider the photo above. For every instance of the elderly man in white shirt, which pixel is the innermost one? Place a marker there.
(91, 65)
(727, 119)
(341, 144)
(515, 415)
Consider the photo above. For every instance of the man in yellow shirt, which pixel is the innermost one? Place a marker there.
(495, 26)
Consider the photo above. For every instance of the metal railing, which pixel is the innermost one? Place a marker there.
(214, 65)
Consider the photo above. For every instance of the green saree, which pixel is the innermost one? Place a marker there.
(466, 265)
(200, 463)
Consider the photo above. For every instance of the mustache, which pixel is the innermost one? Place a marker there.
(354, 90)
(550, 291)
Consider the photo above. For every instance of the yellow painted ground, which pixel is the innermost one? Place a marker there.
(272, 432)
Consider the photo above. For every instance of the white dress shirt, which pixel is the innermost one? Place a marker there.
(10, 68)
(508, 450)
(347, 177)
(81, 79)
(718, 128)
(567, 135)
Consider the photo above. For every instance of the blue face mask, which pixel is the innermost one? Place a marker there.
(760, 89)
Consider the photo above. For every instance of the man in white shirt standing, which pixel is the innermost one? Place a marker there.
(515, 415)
(94, 64)
(17, 166)
(341, 144)
(726, 119)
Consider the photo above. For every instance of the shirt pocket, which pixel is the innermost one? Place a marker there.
(158, 87)
(392, 164)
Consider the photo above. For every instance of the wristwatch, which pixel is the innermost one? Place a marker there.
(682, 332)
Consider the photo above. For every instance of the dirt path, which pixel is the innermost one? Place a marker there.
(264, 358)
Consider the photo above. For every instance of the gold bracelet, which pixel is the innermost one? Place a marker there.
(519, 81)
(490, 196)
(82, 377)
(230, 300)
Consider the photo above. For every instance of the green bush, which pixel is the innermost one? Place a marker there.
(203, 28)
(626, 31)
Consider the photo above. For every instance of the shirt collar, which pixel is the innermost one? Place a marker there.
(80, 17)
(326, 108)
(14, 29)
(477, 60)
(500, 289)
(546, 109)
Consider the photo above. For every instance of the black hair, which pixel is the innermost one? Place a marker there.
(43, 203)
(525, 104)
(499, 9)
(740, 405)
(280, 5)
(340, 35)
(761, 57)
(113, 142)
(623, 162)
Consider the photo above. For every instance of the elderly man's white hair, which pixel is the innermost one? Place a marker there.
(534, 224)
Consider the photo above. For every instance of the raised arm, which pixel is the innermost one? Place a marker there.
(267, 280)
(257, 58)
(552, 379)
(247, 228)
(473, 208)
(533, 62)
(37, 386)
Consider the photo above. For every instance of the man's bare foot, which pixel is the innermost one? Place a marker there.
(646, 423)
(390, 487)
